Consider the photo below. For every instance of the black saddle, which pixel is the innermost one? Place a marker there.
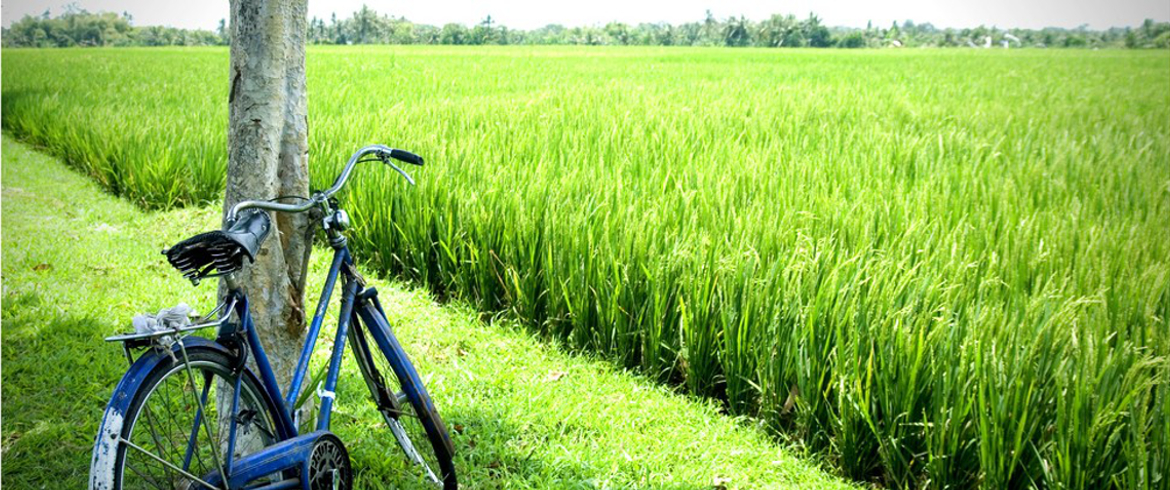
(220, 252)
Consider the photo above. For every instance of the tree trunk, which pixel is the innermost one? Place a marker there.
(268, 158)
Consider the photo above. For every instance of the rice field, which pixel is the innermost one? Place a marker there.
(934, 268)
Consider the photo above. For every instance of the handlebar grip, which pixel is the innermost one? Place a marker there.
(406, 156)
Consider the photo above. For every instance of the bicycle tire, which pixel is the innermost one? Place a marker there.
(401, 382)
(204, 359)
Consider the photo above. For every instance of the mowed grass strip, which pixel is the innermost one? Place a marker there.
(937, 267)
(77, 264)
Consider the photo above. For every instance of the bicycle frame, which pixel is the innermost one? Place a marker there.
(286, 426)
(286, 400)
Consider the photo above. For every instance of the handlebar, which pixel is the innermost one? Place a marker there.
(381, 152)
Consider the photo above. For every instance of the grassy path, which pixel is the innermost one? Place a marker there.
(78, 263)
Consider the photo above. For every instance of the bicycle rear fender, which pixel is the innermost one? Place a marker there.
(105, 447)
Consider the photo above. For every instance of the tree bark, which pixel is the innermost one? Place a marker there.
(268, 158)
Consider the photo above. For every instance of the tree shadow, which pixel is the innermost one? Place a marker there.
(56, 380)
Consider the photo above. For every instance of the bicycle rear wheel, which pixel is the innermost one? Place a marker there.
(403, 402)
(173, 435)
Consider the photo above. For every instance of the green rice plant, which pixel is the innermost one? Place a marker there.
(937, 268)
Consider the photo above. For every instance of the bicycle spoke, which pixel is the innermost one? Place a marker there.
(154, 434)
(178, 428)
(148, 478)
(193, 438)
(408, 447)
(202, 409)
(193, 478)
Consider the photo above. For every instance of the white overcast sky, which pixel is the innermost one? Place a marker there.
(529, 14)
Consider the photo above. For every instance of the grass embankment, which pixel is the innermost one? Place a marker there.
(78, 263)
(943, 267)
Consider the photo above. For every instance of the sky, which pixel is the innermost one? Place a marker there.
(530, 14)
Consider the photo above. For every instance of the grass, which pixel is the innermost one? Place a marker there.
(78, 263)
(936, 268)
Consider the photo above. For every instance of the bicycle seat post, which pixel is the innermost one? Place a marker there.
(230, 280)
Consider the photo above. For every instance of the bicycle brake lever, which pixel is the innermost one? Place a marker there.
(400, 171)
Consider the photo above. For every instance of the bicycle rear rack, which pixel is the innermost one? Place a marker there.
(203, 323)
(141, 340)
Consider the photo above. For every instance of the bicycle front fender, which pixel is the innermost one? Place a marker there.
(370, 311)
(105, 446)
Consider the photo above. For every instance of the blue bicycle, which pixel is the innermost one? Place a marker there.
(192, 413)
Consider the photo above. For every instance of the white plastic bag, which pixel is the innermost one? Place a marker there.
(166, 319)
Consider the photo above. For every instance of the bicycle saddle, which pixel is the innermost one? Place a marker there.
(220, 252)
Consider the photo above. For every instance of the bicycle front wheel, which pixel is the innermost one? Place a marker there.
(403, 403)
(175, 431)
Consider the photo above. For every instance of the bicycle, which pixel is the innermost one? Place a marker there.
(192, 413)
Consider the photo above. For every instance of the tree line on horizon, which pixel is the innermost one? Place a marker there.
(78, 27)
